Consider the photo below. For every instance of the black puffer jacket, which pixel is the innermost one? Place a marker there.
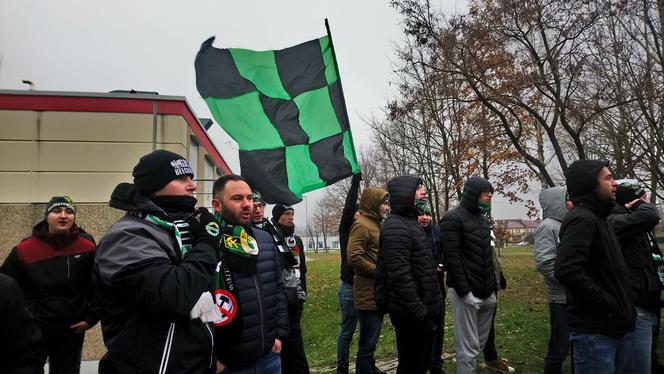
(262, 311)
(590, 263)
(406, 279)
(633, 228)
(466, 243)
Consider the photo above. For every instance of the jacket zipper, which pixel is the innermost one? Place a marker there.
(67, 267)
(260, 309)
(212, 340)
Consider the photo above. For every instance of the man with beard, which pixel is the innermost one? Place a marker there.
(362, 247)
(249, 274)
(407, 283)
(592, 268)
(153, 269)
(53, 268)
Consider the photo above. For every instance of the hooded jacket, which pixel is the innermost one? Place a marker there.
(552, 201)
(467, 250)
(633, 228)
(406, 281)
(55, 277)
(362, 247)
(147, 289)
(590, 263)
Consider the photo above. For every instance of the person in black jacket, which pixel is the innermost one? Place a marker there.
(471, 277)
(293, 356)
(22, 349)
(53, 267)
(434, 239)
(346, 304)
(153, 271)
(633, 220)
(592, 268)
(249, 273)
(407, 284)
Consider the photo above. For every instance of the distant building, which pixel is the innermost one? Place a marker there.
(317, 243)
(514, 230)
(83, 145)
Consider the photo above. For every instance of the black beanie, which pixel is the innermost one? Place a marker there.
(59, 201)
(628, 191)
(157, 169)
(278, 210)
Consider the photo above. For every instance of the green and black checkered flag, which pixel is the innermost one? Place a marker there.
(286, 110)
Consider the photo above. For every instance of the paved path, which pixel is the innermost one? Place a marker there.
(387, 365)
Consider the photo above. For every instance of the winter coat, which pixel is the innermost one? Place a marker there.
(552, 201)
(55, 278)
(407, 282)
(262, 309)
(22, 350)
(467, 250)
(363, 247)
(346, 222)
(633, 228)
(433, 239)
(590, 263)
(147, 290)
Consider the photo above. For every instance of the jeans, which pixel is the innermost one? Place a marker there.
(370, 324)
(559, 340)
(268, 364)
(638, 343)
(64, 352)
(348, 323)
(595, 353)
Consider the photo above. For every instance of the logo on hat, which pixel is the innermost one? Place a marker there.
(212, 228)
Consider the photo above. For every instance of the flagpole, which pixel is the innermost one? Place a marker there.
(343, 98)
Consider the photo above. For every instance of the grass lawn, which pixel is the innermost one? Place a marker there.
(521, 323)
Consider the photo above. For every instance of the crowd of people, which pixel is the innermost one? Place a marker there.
(180, 289)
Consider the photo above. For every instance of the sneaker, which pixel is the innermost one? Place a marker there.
(342, 369)
(500, 365)
(376, 370)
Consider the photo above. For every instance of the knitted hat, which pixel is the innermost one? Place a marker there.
(257, 197)
(60, 201)
(628, 190)
(157, 169)
(279, 210)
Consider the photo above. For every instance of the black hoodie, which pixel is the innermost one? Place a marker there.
(590, 263)
(466, 244)
(406, 278)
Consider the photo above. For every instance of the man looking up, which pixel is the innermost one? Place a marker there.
(592, 268)
(154, 269)
(248, 274)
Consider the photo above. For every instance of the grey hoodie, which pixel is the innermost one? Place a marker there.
(552, 201)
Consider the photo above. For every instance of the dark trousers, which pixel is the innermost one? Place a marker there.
(439, 337)
(489, 350)
(559, 340)
(293, 358)
(64, 352)
(414, 344)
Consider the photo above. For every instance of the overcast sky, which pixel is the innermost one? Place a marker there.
(99, 46)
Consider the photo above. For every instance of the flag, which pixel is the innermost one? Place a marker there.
(285, 109)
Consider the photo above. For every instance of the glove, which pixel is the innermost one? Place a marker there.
(205, 309)
(204, 228)
(470, 300)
